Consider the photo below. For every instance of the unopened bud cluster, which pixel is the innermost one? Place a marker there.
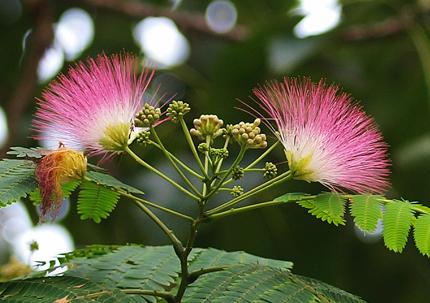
(147, 116)
(236, 191)
(143, 137)
(270, 170)
(248, 134)
(207, 126)
(177, 109)
(237, 173)
(203, 147)
(219, 153)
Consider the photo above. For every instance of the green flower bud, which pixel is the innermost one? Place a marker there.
(147, 116)
(219, 153)
(270, 170)
(207, 125)
(236, 191)
(143, 138)
(203, 147)
(237, 173)
(177, 109)
(248, 134)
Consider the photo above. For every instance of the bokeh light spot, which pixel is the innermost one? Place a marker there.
(3, 127)
(161, 41)
(51, 63)
(52, 239)
(74, 32)
(221, 16)
(319, 17)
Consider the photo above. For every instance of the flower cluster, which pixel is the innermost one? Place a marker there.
(326, 137)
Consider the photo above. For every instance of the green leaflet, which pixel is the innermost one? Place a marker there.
(398, 217)
(245, 278)
(109, 181)
(328, 207)
(366, 210)
(96, 201)
(67, 188)
(214, 258)
(63, 289)
(291, 197)
(23, 152)
(422, 234)
(16, 180)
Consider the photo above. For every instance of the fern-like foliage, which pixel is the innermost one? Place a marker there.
(16, 180)
(422, 234)
(328, 207)
(96, 201)
(60, 290)
(366, 210)
(243, 278)
(109, 181)
(398, 217)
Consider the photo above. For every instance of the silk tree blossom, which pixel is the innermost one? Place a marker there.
(94, 104)
(327, 138)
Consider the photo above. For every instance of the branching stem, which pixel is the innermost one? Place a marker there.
(192, 147)
(165, 209)
(177, 160)
(178, 170)
(277, 180)
(159, 173)
(169, 233)
(166, 296)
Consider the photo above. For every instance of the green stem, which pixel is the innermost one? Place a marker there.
(169, 233)
(192, 147)
(233, 211)
(256, 161)
(167, 210)
(185, 166)
(164, 295)
(227, 174)
(275, 181)
(262, 156)
(195, 274)
(162, 175)
(206, 167)
(178, 170)
(227, 140)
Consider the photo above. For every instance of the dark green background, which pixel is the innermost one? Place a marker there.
(385, 73)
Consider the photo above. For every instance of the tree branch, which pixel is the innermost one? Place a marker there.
(186, 20)
(41, 38)
(383, 29)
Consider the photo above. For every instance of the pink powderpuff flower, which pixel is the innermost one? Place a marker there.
(327, 138)
(94, 105)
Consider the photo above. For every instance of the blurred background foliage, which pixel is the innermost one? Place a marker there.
(211, 53)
